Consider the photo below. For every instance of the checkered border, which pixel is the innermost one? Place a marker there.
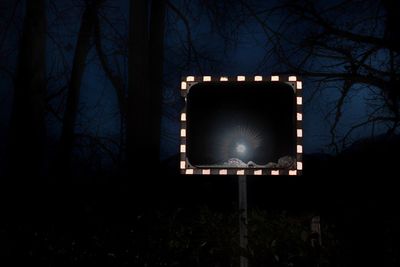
(186, 168)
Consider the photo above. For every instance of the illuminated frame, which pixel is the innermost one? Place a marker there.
(186, 168)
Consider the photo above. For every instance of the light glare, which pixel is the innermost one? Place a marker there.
(183, 85)
(258, 172)
(299, 149)
(183, 117)
(240, 148)
(240, 172)
(206, 171)
(299, 166)
(299, 85)
(299, 117)
(299, 133)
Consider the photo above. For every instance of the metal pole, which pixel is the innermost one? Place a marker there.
(243, 217)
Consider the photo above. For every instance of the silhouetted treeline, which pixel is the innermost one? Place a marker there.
(55, 51)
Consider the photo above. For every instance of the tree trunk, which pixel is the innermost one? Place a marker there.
(64, 158)
(27, 128)
(391, 34)
(156, 59)
(146, 51)
(138, 92)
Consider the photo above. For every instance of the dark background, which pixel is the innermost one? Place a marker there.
(89, 132)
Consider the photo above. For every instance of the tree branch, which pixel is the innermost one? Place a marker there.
(116, 80)
(191, 47)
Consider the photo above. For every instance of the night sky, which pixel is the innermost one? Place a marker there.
(240, 52)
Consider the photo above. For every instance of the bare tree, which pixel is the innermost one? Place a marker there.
(145, 75)
(138, 93)
(27, 129)
(140, 102)
(85, 36)
(346, 45)
(117, 82)
(156, 61)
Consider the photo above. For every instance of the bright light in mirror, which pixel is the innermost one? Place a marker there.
(244, 125)
(240, 148)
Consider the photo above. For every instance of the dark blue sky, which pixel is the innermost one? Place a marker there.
(98, 103)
